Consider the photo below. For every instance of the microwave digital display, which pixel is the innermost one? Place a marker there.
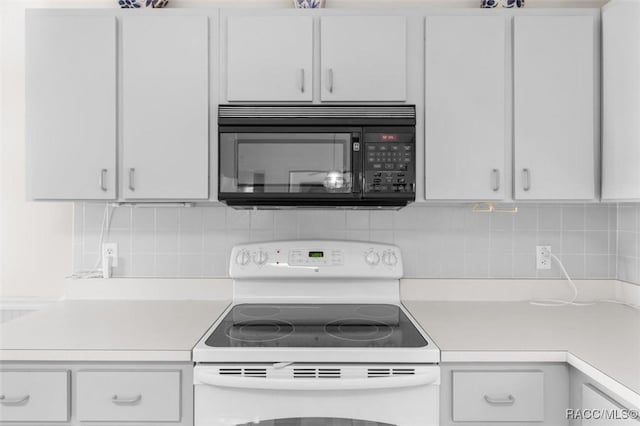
(389, 138)
(316, 254)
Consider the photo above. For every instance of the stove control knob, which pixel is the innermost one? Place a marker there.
(260, 257)
(372, 257)
(389, 258)
(243, 257)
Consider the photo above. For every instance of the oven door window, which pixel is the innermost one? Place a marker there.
(316, 421)
(291, 163)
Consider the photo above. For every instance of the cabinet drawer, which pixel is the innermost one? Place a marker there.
(34, 396)
(498, 396)
(128, 396)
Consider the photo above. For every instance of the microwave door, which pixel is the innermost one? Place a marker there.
(281, 164)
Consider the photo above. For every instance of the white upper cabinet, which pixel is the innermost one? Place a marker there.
(165, 107)
(269, 58)
(554, 111)
(465, 107)
(621, 101)
(363, 58)
(71, 107)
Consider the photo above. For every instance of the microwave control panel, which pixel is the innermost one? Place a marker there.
(389, 162)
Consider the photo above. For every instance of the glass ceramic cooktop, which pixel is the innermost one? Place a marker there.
(316, 325)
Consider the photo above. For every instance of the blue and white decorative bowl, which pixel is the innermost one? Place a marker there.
(138, 4)
(308, 4)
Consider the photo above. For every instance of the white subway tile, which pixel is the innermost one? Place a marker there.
(573, 217)
(476, 265)
(526, 218)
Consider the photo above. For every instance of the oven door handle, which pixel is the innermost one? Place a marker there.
(325, 384)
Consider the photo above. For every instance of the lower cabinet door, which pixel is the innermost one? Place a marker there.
(129, 396)
(603, 410)
(498, 396)
(34, 396)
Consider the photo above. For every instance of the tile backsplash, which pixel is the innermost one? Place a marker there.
(628, 238)
(436, 241)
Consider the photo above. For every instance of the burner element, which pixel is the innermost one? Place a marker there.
(260, 330)
(361, 330)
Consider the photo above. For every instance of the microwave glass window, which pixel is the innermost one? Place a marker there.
(316, 421)
(285, 162)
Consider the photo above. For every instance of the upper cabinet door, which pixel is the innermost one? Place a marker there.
(165, 107)
(554, 90)
(71, 107)
(364, 58)
(269, 58)
(621, 101)
(465, 108)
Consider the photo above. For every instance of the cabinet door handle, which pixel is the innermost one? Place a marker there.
(330, 80)
(132, 173)
(509, 400)
(301, 80)
(526, 179)
(101, 182)
(14, 401)
(495, 173)
(126, 401)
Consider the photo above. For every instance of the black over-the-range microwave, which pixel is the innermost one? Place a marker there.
(277, 156)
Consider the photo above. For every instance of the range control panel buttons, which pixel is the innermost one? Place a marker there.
(315, 257)
(373, 257)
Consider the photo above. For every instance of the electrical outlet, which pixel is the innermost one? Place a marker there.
(543, 257)
(110, 250)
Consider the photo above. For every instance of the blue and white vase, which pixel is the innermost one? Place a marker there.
(489, 4)
(139, 4)
(308, 4)
(512, 3)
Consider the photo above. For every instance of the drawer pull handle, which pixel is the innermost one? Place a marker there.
(510, 400)
(126, 401)
(14, 401)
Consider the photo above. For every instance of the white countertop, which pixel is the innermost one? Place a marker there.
(601, 340)
(113, 330)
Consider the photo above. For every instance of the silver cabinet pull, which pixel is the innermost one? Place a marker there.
(495, 173)
(103, 175)
(330, 80)
(126, 401)
(509, 400)
(526, 179)
(301, 80)
(4, 400)
(132, 173)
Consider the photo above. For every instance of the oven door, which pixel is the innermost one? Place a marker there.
(289, 165)
(234, 395)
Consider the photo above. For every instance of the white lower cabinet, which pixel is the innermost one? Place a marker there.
(513, 394)
(498, 396)
(73, 394)
(599, 409)
(34, 396)
(126, 396)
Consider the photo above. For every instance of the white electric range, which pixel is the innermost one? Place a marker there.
(316, 335)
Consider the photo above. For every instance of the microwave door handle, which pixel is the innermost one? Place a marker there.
(243, 382)
(357, 149)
